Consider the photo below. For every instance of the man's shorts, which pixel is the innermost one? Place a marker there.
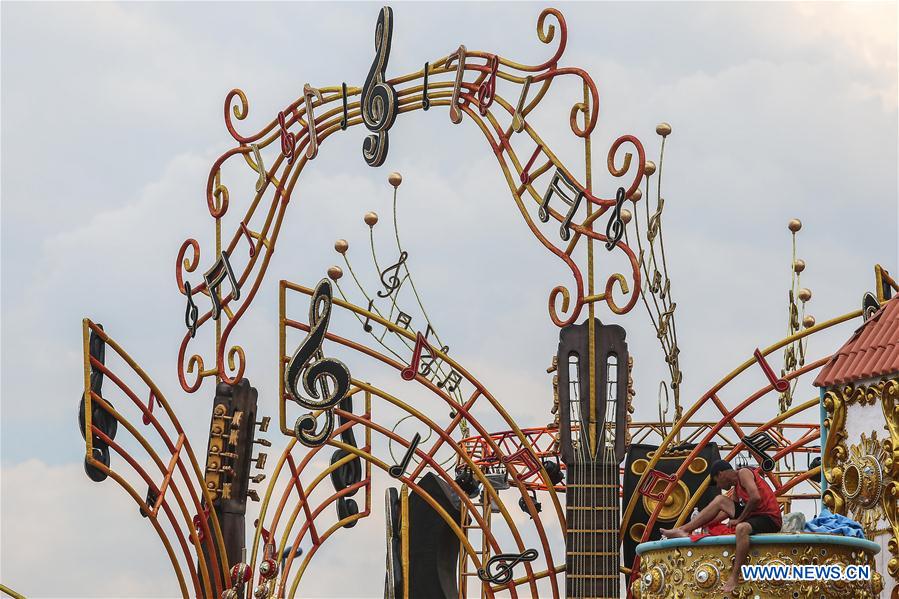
(759, 523)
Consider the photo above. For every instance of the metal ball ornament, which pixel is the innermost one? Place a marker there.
(261, 592)
(805, 294)
(370, 218)
(798, 265)
(335, 272)
(341, 246)
(241, 573)
(636, 196)
(626, 215)
(649, 168)
(794, 225)
(663, 129)
(268, 569)
(808, 322)
(395, 179)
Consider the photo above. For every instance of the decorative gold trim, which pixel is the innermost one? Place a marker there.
(864, 478)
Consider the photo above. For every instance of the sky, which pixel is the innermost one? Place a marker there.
(112, 118)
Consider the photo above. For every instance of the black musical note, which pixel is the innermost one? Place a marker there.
(421, 344)
(451, 382)
(615, 228)
(393, 283)
(379, 99)
(870, 306)
(427, 362)
(349, 473)
(345, 119)
(191, 313)
(366, 326)
(498, 569)
(150, 501)
(425, 100)
(555, 186)
(100, 418)
(403, 319)
(214, 277)
(758, 444)
(398, 470)
(309, 365)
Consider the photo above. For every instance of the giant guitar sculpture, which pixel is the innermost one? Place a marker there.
(592, 362)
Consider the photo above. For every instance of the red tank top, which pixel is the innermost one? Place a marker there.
(768, 505)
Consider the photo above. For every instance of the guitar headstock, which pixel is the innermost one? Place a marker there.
(593, 399)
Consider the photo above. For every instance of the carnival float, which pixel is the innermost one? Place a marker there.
(567, 505)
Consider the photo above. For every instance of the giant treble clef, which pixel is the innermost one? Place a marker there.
(309, 365)
(379, 99)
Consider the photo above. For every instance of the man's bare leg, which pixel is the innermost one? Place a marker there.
(743, 530)
(717, 510)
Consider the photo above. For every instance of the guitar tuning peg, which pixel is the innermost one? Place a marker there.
(263, 424)
(263, 442)
(258, 478)
(252, 494)
(260, 460)
(236, 420)
(554, 366)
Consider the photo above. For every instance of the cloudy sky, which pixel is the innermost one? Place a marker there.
(112, 116)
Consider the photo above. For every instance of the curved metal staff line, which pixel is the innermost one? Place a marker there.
(513, 426)
(719, 385)
(141, 503)
(444, 436)
(767, 389)
(147, 509)
(413, 487)
(405, 479)
(210, 542)
(204, 571)
(88, 325)
(301, 140)
(545, 35)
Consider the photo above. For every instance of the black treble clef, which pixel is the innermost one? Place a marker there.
(498, 569)
(316, 372)
(392, 283)
(615, 228)
(379, 99)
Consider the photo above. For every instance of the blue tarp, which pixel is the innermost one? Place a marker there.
(829, 523)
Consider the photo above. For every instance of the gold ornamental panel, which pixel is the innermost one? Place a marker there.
(699, 572)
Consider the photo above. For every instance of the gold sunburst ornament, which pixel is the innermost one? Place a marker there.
(864, 482)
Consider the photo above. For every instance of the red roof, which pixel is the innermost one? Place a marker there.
(872, 351)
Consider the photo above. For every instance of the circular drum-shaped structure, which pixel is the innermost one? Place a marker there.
(686, 569)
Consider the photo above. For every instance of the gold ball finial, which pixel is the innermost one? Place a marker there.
(636, 196)
(663, 129)
(395, 179)
(794, 225)
(798, 265)
(371, 218)
(649, 168)
(341, 246)
(805, 294)
(626, 215)
(808, 322)
(335, 272)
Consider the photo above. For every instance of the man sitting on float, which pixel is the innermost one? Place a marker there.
(755, 511)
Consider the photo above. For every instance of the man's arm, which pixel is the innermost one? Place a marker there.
(747, 481)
